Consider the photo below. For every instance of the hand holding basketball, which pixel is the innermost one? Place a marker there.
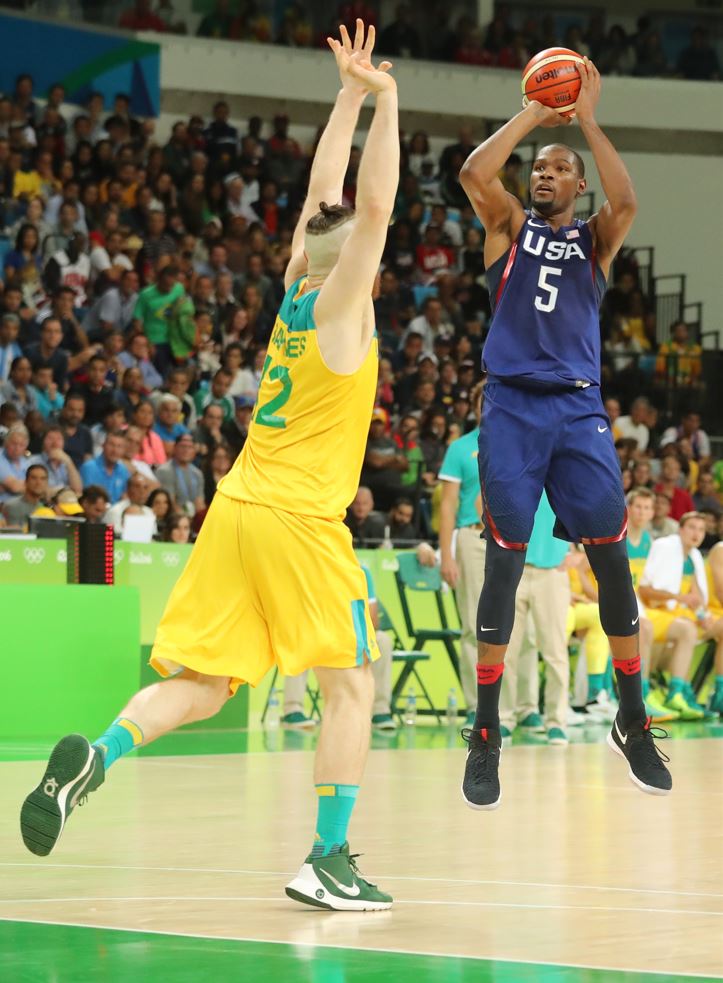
(546, 116)
(589, 95)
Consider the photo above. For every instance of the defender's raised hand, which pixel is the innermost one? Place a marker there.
(344, 50)
(374, 79)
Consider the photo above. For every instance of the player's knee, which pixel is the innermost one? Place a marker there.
(354, 686)
(215, 693)
(496, 611)
(619, 613)
(687, 631)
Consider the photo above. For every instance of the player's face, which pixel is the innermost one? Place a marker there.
(555, 182)
(692, 533)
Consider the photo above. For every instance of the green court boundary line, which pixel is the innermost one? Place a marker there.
(365, 948)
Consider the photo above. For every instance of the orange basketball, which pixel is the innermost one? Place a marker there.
(552, 78)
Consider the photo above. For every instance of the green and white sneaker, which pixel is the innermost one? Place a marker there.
(334, 883)
(681, 706)
(533, 724)
(692, 701)
(557, 736)
(297, 721)
(74, 770)
(383, 721)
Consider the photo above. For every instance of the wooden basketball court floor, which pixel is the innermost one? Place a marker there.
(174, 871)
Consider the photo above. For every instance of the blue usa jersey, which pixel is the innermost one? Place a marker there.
(545, 293)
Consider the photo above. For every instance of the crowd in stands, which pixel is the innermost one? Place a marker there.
(140, 285)
(436, 32)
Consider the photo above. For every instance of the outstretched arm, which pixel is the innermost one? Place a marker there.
(332, 154)
(500, 212)
(612, 223)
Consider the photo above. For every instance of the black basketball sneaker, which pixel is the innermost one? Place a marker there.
(646, 761)
(481, 783)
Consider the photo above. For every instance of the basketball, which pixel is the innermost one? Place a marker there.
(552, 78)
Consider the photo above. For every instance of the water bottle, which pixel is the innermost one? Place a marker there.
(387, 543)
(410, 710)
(452, 708)
(273, 715)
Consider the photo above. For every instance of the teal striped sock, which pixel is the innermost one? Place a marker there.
(336, 803)
(120, 738)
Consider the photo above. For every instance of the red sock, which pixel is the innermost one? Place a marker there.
(489, 684)
(630, 689)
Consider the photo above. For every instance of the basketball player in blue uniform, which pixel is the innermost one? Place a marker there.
(543, 423)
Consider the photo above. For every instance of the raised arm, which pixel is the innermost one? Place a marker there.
(500, 212)
(331, 160)
(612, 223)
(345, 299)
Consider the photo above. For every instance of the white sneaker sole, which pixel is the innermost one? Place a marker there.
(650, 789)
(308, 889)
(487, 808)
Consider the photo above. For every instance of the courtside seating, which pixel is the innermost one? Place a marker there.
(408, 659)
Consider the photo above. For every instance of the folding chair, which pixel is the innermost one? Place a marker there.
(408, 659)
(312, 693)
(412, 576)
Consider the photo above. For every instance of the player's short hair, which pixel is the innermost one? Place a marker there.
(579, 162)
(688, 516)
(328, 217)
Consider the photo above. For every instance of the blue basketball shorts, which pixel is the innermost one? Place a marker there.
(559, 441)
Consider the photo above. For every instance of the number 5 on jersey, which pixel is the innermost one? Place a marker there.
(547, 304)
(266, 415)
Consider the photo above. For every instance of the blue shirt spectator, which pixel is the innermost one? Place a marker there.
(460, 466)
(169, 435)
(107, 470)
(544, 551)
(13, 463)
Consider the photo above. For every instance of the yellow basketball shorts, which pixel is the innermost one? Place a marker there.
(265, 587)
(661, 620)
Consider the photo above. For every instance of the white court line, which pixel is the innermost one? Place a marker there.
(387, 877)
(366, 948)
(398, 901)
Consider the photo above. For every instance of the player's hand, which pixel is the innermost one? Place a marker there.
(450, 572)
(545, 115)
(375, 80)
(589, 94)
(344, 49)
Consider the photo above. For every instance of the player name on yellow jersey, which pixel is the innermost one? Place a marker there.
(309, 429)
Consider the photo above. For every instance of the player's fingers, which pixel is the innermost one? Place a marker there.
(371, 38)
(359, 36)
(345, 39)
(385, 66)
(334, 45)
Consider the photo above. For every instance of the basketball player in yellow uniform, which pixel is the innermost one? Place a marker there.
(714, 572)
(273, 579)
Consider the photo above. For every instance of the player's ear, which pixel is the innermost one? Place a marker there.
(581, 187)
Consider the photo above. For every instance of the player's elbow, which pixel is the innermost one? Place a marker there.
(374, 211)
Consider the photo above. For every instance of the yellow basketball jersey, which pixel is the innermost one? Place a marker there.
(308, 434)
(715, 603)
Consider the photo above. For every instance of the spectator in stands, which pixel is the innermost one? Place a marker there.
(132, 391)
(74, 339)
(669, 484)
(114, 420)
(679, 360)
(217, 395)
(235, 431)
(690, 429)
(662, 524)
(182, 479)
(633, 426)
(77, 436)
(9, 347)
(699, 60)
(18, 509)
(70, 267)
(153, 312)
(137, 355)
(18, 390)
(177, 530)
(401, 38)
(161, 504)
(384, 464)
(706, 497)
(208, 434)
(367, 525)
(401, 521)
(218, 464)
(14, 462)
(168, 427)
(94, 502)
(23, 264)
(48, 351)
(107, 469)
(136, 494)
(98, 393)
(48, 399)
(642, 475)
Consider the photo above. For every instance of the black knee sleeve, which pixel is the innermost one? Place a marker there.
(496, 608)
(619, 612)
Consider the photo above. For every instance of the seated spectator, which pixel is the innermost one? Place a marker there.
(77, 436)
(60, 468)
(114, 420)
(47, 398)
(706, 497)
(182, 479)
(168, 426)
(94, 502)
(136, 495)
(401, 522)
(430, 323)
(9, 347)
(432, 257)
(616, 56)
(690, 430)
(162, 506)
(236, 431)
(47, 351)
(407, 437)
(367, 526)
(679, 359)
(178, 384)
(669, 484)
(699, 60)
(642, 474)
(208, 434)
(74, 339)
(132, 392)
(18, 390)
(218, 464)
(14, 462)
(154, 310)
(400, 38)
(23, 265)
(384, 464)
(114, 308)
(137, 355)
(633, 426)
(177, 530)
(70, 267)
(97, 393)
(217, 395)
(662, 524)
(107, 469)
(18, 508)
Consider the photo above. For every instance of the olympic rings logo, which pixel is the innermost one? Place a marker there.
(34, 555)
